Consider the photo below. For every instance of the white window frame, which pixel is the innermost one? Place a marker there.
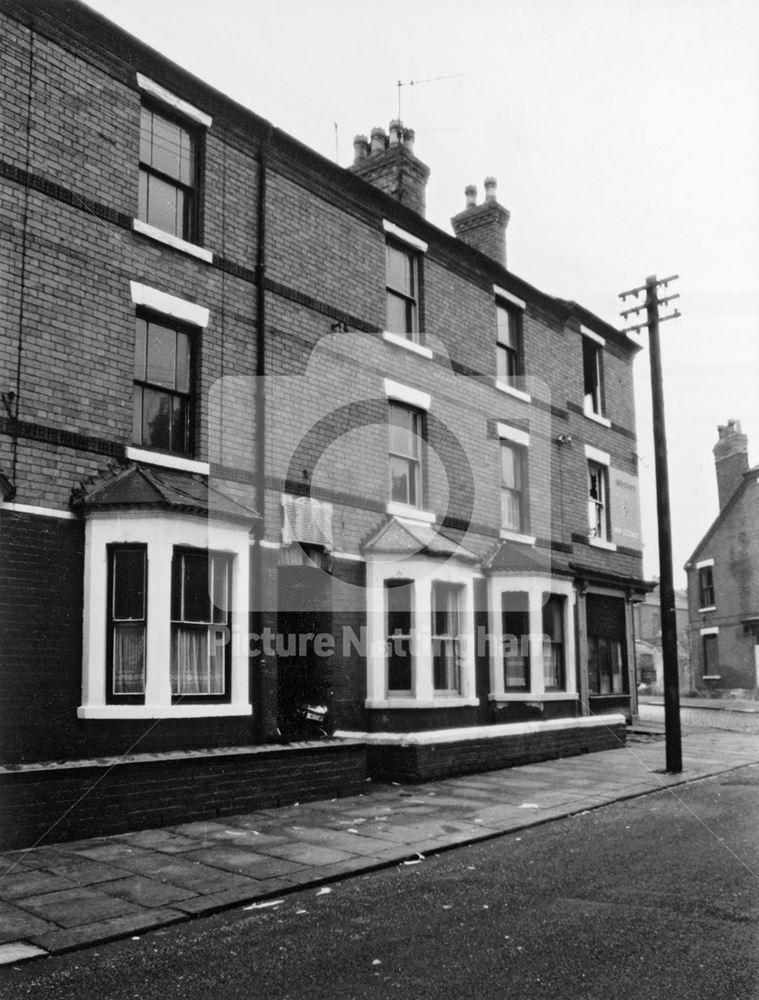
(602, 458)
(535, 587)
(162, 534)
(421, 573)
(521, 438)
(509, 299)
(199, 118)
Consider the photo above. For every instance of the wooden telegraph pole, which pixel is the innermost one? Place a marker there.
(666, 585)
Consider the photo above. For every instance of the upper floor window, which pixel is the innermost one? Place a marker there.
(509, 343)
(168, 174)
(706, 587)
(163, 385)
(402, 291)
(592, 373)
(405, 455)
(513, 514)
(598, 501)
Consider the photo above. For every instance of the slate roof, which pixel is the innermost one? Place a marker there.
(399, 536)
(150, 488)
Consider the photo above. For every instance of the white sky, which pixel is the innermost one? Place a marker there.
(624, 135)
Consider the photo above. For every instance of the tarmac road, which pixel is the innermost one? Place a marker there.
(656, 897)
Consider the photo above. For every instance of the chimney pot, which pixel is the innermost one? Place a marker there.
(470, 191)
(360, 148)
(379, 140)
(409, 137)
(396, 132)
(490, 186)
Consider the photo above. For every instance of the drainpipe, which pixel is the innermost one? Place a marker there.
(258, 692)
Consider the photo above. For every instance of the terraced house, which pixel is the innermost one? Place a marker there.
(267, 435)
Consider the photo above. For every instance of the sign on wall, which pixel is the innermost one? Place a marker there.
(625, 509)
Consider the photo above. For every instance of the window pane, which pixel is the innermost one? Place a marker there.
(165, 206)
(180, 425)
(165, 147)
(195, 667)
(220, 588)
(506, 323)
(400, 271)
(195, 604)
(553, 642)
(146, 134)
(128, 585)
(128, 658)
(510, 467)
(156, 419)
(398, 315)
(183, 362)
(161, 355)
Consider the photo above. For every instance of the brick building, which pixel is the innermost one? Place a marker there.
(268, 434)
(723, 576)
(648, 642)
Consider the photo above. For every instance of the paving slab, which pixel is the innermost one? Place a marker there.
(17, 924)
(69, 939)
(146, 892)
(200, 878)
(71, 907)
(258, 866)
(31, 882)
(307, 854)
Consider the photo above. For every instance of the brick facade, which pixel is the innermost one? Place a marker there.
(283, 297)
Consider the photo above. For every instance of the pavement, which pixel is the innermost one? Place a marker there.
(71, 895)
(738, 714)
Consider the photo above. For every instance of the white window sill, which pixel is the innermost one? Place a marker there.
(597, 418)
(398, 340)
(532, 696)
(515, 536)
(168, 461)
(712, 607)
(183, 711)
(410, 513)
(172, 241)
(601, 543)
(516, 393)
(450, 701)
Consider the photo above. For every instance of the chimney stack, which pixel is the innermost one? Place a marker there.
(730, 459)
(391, 165)
(483, 226)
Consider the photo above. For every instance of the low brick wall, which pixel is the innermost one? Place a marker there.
(43, 804)
(489, 748)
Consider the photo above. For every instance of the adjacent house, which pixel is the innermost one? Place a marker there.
(648, 642)
(270, 435)
(723, 576)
